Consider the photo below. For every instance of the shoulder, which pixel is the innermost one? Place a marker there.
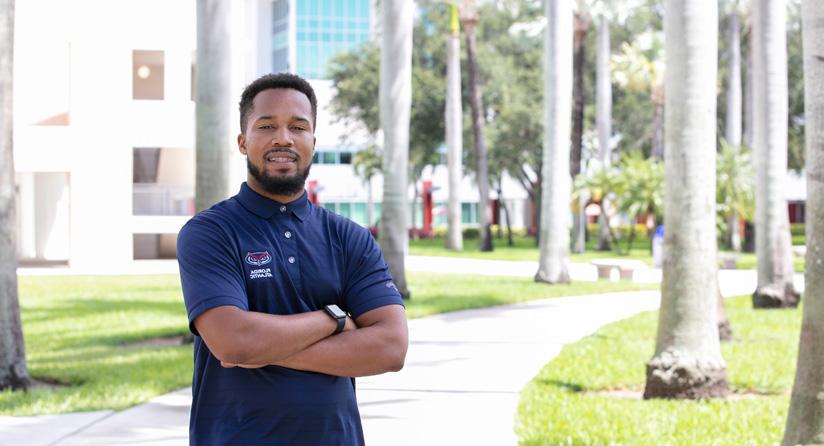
(215, 222)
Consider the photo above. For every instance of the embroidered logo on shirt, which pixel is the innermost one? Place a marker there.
(258, 258)
(391, 284)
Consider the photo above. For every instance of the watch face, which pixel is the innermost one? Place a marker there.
(335, 311)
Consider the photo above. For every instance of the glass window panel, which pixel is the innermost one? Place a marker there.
(345, 209)
(330, 157)
(346, 157)
(359, 213)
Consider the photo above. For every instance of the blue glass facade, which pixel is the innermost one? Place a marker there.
(323, 28)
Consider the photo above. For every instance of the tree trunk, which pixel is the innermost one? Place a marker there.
(482, 174)
(603, 119)
(773, 245)
(395, 105)
(658, 122)
(733, 121)
(805, 422)
(687, 361)
(578, 61)
(454, 133)
(13, 371)
(553, 266)
(749, 101)
(213, 103)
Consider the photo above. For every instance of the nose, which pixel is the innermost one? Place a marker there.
(282, 137)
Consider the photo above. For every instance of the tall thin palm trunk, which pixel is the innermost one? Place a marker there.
(687, 361)
(773, 247)
(454, 132)
(805, 423)
(395, 107)
(582, 22)
(213, 103)
(553, 266)
(13, 371)
(603, 118)
(734, 120)
(470, 21)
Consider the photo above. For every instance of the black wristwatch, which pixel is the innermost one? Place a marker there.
(337, 314)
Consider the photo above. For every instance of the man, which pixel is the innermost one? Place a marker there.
(288, 302)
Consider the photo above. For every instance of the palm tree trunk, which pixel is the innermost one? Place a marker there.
(470, 20)
(212, 103)
(805, 425)
(578, 61)
(370, 203)
(603, 118)
(13, 371)
(395, 105)
(773, 245)
(687, 361)
(733, 121)
(749, 101)
(553, 266)
(454, 133)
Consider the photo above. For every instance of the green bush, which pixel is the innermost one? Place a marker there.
(471, 233)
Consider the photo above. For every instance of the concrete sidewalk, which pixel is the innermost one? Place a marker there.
(461, 384)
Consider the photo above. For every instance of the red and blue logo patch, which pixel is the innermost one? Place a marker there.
(258, 258)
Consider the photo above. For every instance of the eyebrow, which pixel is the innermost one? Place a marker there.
(294, 118)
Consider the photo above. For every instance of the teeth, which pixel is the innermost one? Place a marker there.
(280, 160)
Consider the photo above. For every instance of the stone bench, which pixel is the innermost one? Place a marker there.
(621, 268)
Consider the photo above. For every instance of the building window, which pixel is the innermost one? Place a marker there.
(162, 181)
(154, 246)
(147, 74)
(346, 157)
(469, 213)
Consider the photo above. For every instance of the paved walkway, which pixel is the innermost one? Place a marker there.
(461, 383)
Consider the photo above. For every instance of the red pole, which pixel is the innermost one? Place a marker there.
(427, 208)
(313, 192)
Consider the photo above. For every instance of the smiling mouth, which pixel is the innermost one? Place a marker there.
(281, 157)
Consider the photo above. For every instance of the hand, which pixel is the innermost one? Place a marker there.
(229, 365)
(350, 324)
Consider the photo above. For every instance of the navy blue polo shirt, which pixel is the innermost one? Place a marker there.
(261, 255)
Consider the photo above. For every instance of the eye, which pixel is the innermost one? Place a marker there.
(298, 128)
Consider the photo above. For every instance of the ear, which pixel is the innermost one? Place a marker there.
(241, 143)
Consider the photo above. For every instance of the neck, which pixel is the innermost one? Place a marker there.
(283, 199)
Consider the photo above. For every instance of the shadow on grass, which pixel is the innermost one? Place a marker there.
(568, 386)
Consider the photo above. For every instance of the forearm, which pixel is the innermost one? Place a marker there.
(248, 337)
(362, 352)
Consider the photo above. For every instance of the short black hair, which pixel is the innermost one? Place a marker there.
(276, 80)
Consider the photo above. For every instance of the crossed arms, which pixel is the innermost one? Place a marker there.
(375, 343)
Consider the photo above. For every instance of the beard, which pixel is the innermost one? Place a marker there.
(279, 184)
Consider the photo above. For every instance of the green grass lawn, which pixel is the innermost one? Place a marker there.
(523, 248)
(565, 403)
(80, 331)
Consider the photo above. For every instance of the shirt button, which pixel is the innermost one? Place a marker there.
(287, 234)
(291, 259)
(283, 208)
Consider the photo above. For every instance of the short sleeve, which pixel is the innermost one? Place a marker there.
(209, 273)
(369, 284)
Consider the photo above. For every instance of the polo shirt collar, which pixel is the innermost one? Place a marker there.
(266, 207)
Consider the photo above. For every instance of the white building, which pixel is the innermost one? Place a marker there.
(104, 127)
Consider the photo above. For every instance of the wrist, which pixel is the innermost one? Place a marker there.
(337, 315)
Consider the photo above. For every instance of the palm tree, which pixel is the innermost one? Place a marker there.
(603, 120)
(805, 425)
(734, 177)
(734, 105)
(582, 22)
(687, 361)
(395, 108)
(469, 18)
(553, 266)
(13, 371)
(212, 103)
(454, 131)
(773, 247)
